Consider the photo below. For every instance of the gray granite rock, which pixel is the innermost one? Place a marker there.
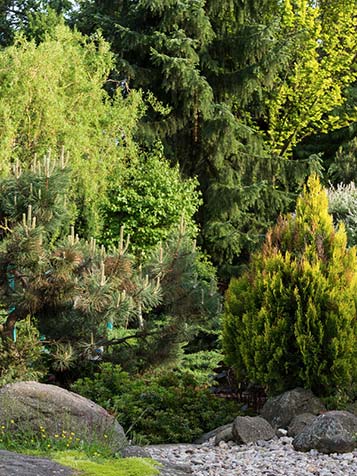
(14, 464)
(280, 410)
(299, 422)
(332, 432)
(224, 435)
(251, 429)
(211, 434)
(31, 405)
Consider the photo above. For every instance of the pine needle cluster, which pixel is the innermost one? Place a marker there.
(79, 291)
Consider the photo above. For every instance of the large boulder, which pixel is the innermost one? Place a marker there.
(299, 422)
(332, 432)
(247, 429)
(30, 406)
(225, 434)
(280, 410)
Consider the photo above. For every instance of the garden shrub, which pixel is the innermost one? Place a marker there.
(149, 199)
(291, 318)
(162, 407)
(22, 359)
(343, 207)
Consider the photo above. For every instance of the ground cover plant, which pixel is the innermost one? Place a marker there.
(90, 458)
(158, 407)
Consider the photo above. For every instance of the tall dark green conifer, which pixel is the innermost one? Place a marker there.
(240, 84)
(206, 60)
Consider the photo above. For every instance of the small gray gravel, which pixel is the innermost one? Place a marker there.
(265, 458)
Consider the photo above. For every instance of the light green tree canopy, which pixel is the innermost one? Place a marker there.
(52, 99)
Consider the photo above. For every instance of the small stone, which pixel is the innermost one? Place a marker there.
(311, 469)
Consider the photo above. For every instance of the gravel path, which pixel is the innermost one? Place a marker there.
(264, 458)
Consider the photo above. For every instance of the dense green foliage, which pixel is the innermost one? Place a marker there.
(79, 291)
(245, 83)
(149, 199)
(47, 97)
(291, 318)
(176, 122)
(157, 408)
(23, 361)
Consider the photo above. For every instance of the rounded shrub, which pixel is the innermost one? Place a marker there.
(290, 320)
(167, 406)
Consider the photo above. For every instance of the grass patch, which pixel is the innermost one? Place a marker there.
(105, 466)
(87, 458)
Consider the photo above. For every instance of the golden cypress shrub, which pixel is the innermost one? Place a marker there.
(290, 320)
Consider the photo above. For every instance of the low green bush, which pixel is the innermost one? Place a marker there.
(169, 406)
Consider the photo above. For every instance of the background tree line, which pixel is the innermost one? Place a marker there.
(249, 97)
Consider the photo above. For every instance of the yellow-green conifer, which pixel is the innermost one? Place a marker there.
(291, 318)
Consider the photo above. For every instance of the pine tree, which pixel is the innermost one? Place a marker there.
(74, 288)
(79, 291)
(291, 318)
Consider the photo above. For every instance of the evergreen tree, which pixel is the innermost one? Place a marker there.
(291, 318)
(205, 61)
(79, 291)
(32, 16)
(245, 82)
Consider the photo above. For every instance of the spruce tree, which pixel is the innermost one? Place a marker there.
(244, 82)
(205, 61)
(291, 318)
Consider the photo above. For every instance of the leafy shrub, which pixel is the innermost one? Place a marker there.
(157, 408)
(343, 207)
(201, 364)
(21, 360)
(149, 198)
(291, 318)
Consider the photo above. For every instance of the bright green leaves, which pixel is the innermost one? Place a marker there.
(52, 97)
(320, 68)
(149, 199)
